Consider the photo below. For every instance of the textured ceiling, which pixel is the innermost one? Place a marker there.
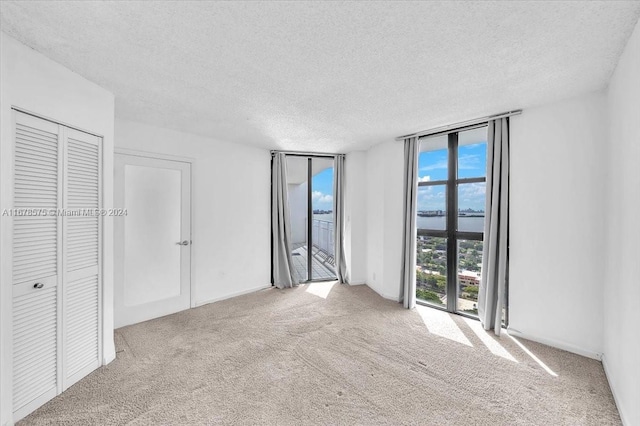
(326, 76)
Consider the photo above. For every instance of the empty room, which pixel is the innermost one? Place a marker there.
(319, 213)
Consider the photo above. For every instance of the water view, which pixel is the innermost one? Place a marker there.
(465, 223)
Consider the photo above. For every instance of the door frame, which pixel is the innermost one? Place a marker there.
(310, 278)
(192, 162)
(309, 231)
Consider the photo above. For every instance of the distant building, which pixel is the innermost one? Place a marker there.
(467, 278)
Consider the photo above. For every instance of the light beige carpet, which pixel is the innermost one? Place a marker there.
(294, 357)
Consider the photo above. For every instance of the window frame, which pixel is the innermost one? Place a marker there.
(451, 232)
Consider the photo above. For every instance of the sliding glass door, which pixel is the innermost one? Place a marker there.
(310, 191)
(450, 222)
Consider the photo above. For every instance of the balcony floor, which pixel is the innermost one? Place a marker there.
(319, 270)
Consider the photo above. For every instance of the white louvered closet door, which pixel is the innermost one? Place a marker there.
(56, 260)
(36, 263)
(81, 259)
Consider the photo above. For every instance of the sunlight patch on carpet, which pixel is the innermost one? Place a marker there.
(493, 345)
(320, 289)
(533, 357)
(441, 324)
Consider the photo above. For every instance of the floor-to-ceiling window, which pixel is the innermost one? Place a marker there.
(450, 222)
(310, 193)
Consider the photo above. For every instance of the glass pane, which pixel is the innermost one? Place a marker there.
(322, 234)
(433, 159)
(432, 207)
(471, 204)
(431, 270)
(469, 266)
(297, 177)
(472, 153)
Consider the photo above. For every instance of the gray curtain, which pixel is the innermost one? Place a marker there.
(492, 292)
(281, 225)
(408, 279)
(338, 217)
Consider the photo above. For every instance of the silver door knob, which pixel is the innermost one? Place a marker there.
(183, 243)
(38, 285)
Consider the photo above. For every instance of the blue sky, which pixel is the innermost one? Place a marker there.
(322, 190)
(432, 165)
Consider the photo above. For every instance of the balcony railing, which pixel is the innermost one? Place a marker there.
(322, 234)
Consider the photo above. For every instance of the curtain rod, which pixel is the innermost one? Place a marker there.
(445, 129)
(305, 154)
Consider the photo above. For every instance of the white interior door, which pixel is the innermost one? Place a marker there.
(153, 239)
(82, 255)
(56, 259)
(36, 264)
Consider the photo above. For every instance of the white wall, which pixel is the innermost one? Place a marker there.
(622, 260)
(36, 84)
(231, 205)
(574, 228)
(356, 216)
(298, 212)
(557, 217)
(556, 223)
(384, 170)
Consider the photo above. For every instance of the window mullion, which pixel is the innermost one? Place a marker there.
(433, 183)
(452, 218)
(473, 236)
(472, 180)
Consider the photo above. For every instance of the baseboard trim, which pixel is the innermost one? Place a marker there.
(384, 296)
(556, 344)
(229, 296)
(613, 390)
(358, 283)
(393, 298)
(108, 357)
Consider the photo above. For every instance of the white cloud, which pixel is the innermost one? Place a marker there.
(319, 197)
(424, 179)
(435, 166)
(472, 195)
(472, 189)
(431, 198)
(474, 145)
(469, 162)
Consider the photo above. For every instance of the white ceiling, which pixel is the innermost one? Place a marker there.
(326, 76)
